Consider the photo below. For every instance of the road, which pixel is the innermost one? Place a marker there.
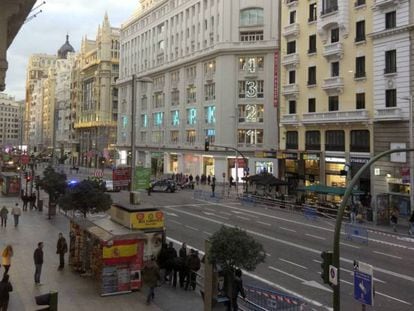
(293, 245)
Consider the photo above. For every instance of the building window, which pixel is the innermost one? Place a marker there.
(359, 3)
(312, 44)
(313, 140)
(312, 12)
(210, 115)
(175, 97)
(333, 103)
(251, 35)
(191, 94)
(391, 98)
(390, 20)
(292, 76)
(360, 100)
(311, 104)
(329, 6)
(292, 17)
(251, 89)
(158, 119)
(291, 47)
(334, 69)
(251, 113)
(334, 35)
(210, 134)
(158, 100)
(292, 140)
(251, 17)
(335, 140)
(390, 61)
(250, 137)
(360, 141)
(144, 121)
(312, 75)
(251, 64)
(210, 91)
(360, 67)
(360, 31)
(175, 118)
(174, 137)
(191, 137)
(292, 106)
(191, 116)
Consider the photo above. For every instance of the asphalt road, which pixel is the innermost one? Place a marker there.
(293, 244)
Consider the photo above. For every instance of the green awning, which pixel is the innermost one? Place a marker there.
(322, 189)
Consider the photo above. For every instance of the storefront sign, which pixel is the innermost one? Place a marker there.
(270, 154)
(359, 160)
(147, 220)
(310, 156)
(276, 80)
(119, 251)
(335, 160)
(291, 156)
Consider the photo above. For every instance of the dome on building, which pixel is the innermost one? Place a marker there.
(65, 49)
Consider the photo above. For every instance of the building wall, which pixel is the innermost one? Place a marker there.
(10, 121)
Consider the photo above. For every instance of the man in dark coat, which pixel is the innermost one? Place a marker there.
(193, 265)
(171, 254)
(237, 289)
(151, 276)
(5, 289)
(61, 249)
(181, 263)
(38, 261)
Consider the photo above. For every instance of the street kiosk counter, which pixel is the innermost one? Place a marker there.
(107, 251)
(10, 183)
(149, 220)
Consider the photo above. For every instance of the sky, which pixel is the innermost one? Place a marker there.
(47, 32)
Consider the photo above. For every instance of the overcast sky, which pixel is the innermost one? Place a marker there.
(46, 33)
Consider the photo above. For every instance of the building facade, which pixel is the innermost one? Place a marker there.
(205, 70)
(95, 96)
(393, 88)
(326, 102)
(11, 113)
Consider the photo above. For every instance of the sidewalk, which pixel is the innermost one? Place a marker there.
(75, 292)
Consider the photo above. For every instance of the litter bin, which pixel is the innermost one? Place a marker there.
(50, 301)
(40, 205)
(134, 197)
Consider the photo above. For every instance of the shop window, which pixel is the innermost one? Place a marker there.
(335, 141)
(360, 141)
(313, 140)
(292, 140)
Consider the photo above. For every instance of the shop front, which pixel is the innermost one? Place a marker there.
(364, 182)
(240, 165)
(312, 168)
(333, 178)
(157, 164)
(10, 183)
(208, 166)
(292, 171)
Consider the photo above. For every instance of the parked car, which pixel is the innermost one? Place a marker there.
(164, 185)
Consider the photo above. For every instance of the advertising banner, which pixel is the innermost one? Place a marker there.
(147, 220)
(121, 177)
(141, 178)
(121, 251)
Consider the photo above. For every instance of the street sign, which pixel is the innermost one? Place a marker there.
(333, 275)
(363, 283)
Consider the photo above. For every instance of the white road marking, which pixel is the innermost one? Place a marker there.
(208, 233)
(176, 222)
(318, 261)
(287, 229)
(244, 218)
(172, 214)
(295, 245)
(192, 228)
(315, 236)
(225, 213)
(210, 209)
(292, 263)
(263, 223)
(349, 245)
(241, 213)
(268, 255)
(388, 255)
(215, 215)
(390, 297)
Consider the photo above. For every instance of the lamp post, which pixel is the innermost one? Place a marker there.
(411, 142)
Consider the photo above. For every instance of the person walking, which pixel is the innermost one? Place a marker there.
(231, 179)
(38, 261)
(193, 265)
(181, 264)
(3, 215)
(151, 276)
(5, 289)
(213, 187)
(237, 288)
(61, 249)
(6, 256)
(208, 180)
(394, 219)
(197, 178)
(171, 254)
(354, 211)
(16, 212)
(411, 224)
(25, 199)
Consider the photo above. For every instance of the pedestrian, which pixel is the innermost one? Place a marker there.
(151, 277)
(237, 289)
(3, 215)
(38, 261)
(5, 289)
(61, 249)
(32, 200)
(162, 261)
(213, 187)
(197, 180)
(25, 199)
(149, 188)
(354, 212)
(16, 212)
(171, 255)
(181, 264)
(208, 180)
(394, 219)
(411, 224)
(231, 181)
(193, 265)
(6, 256)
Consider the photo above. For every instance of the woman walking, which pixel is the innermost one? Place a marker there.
(6, 258)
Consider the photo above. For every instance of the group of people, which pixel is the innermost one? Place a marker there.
(7, 254)
(29, 200)
(16, 212)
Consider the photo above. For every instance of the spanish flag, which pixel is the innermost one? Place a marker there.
(121, 251)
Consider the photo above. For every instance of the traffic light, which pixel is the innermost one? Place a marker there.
(206, 145)
(326, 262)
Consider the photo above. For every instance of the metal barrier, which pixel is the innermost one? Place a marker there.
(310, 213)
(356, 233)
(247, 201)
(259, 299)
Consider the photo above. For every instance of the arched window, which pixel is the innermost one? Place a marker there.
(251, 17)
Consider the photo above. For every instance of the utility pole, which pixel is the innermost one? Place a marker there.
(132, 132)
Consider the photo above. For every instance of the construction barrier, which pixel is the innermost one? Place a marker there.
(356, 233)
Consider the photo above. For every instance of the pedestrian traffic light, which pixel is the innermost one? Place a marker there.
(206, 145)
(326, 262)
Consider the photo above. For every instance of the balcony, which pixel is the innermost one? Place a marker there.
(333, 84)
(335, 116)
(382, 4)
(388, 114)
(290, 89)
(289, 119)
(333, 50)
(291, 30)
(291, 60)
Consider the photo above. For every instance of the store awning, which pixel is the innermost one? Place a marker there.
(322, 189)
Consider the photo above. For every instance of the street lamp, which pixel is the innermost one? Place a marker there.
(411, 133)
(133, 117)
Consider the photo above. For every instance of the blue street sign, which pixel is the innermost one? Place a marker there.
(363, 284)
